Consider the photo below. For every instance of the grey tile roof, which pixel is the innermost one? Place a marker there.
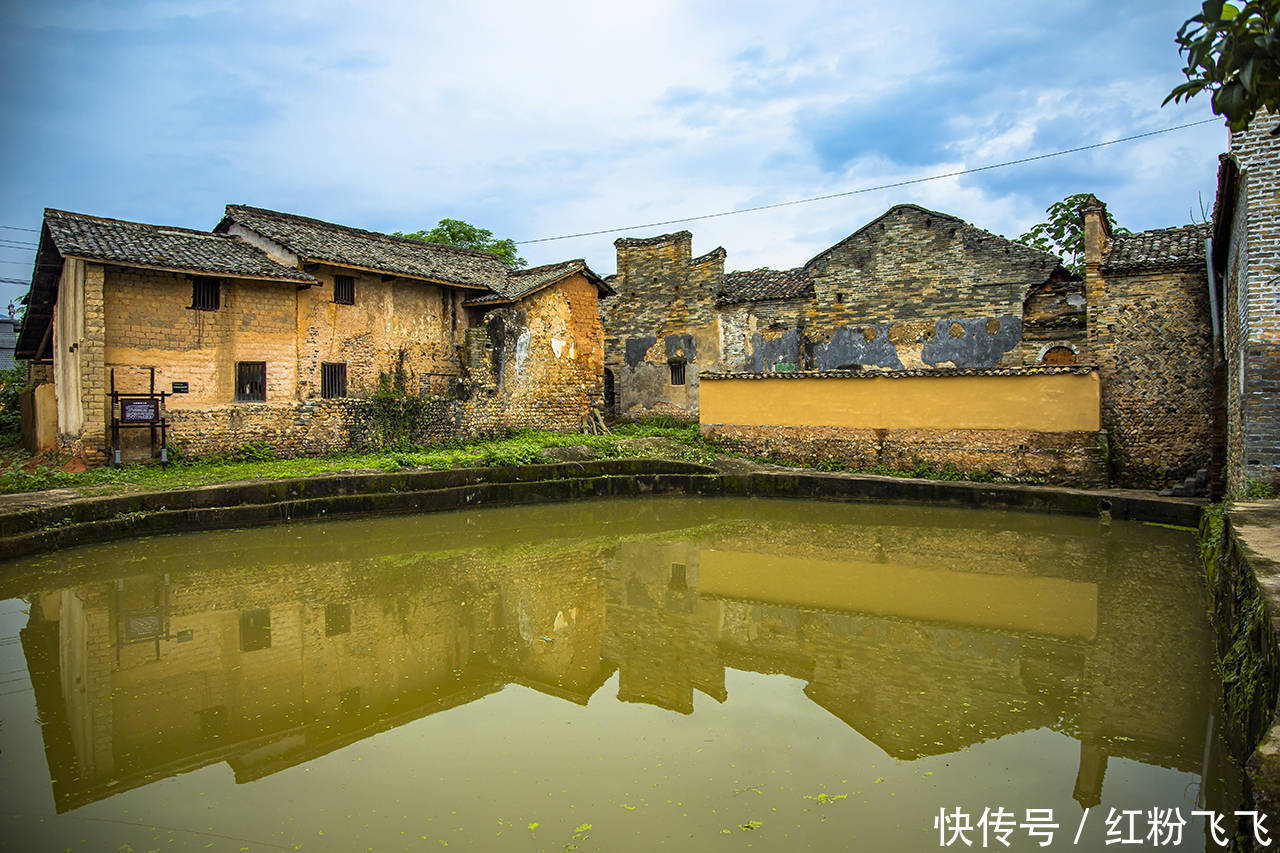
(134, 243)
(521, 283)
(317, 240)
(1159, 248)
(764, 283)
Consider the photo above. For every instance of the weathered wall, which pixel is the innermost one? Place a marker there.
(664, 312)
(39, 412)
(400, 329)
(1253, 310)
(149, 323)
(912, 289)
(933, 290)
(1041, 401)
(1151, 340)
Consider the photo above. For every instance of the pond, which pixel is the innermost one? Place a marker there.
(686, 673)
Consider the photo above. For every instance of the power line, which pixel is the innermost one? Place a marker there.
(872, 189)
(14, 281)
(20, 228)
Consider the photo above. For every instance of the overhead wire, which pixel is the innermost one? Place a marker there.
(876, 188)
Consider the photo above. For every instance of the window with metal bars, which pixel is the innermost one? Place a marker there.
(251, 381)
(255, 630)
(337, 619)
(206, 293)
(677, 373)
(333, 380)
(344, 289)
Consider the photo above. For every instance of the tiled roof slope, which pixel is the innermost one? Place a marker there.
(317, 240)
(1160, 248)
(764, 283)
(520, 283)
(134, 243)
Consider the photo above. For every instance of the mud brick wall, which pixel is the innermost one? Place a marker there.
(398, 331)
(544, 363)
(1252, 310)
(1151, 339)
(664, 312)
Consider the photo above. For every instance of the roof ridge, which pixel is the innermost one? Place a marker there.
(409, 241)
(544, 267)
(90, 216)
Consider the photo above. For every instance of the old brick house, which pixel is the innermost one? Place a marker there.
(273, 326)
(1246, 263)
(916, 291)
(911, 289)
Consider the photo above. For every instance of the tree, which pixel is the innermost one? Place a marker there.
(1063, 233)
(455, 232)
(1234, 53)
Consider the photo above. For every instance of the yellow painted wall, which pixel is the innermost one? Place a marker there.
(1060, 402)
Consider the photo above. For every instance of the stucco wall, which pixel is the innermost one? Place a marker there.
(1048, 402)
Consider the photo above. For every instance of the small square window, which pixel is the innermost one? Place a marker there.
(337, 619)
(344, 289)
(251, 381)
(333, 380)
(679, 576)
(255, 630)
(677, 373)
(206, 293)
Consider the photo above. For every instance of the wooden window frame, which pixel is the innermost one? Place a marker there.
(678, 375)
(333, 381)
(206, 293)
(242, 367)
(344, 290)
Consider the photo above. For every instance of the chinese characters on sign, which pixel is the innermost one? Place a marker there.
(1156, 826)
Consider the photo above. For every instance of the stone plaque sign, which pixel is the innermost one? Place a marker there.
(180, 388)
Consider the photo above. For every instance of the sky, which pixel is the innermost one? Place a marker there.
(545, 119)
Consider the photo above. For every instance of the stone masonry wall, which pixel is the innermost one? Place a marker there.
(664, 313)
(1253, 310)
(1152, 343)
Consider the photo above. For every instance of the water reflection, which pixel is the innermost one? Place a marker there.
(925, 631)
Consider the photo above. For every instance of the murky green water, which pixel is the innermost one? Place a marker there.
(626, 675)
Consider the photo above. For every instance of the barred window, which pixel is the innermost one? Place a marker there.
(337, 619)
(333, 380)
(251, 381)
(677, 373)
(206, 293)
(344, 289)
(255, 630)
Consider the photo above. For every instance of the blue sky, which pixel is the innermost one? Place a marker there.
(536, 120)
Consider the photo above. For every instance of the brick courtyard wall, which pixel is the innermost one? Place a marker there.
(1252, 311)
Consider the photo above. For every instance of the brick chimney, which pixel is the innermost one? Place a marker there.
(1097, 231)
(1097, 242)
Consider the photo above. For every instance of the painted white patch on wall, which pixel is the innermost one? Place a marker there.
(522, 349)
(557, 346)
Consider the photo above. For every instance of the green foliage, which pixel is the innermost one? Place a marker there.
(253, 451)
(512, 453)
(1233, 52)
(455, 232)
(12, 383)
(1256, 490)
(1062, 234)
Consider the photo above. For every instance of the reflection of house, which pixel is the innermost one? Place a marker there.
(266, 653)
(265, 327)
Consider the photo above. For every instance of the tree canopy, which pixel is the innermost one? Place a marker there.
(1062, 233)
(455, 232)
(1233, 52)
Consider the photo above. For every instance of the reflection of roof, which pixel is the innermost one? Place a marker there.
(317, 240)
(1159, 248)
(760, 284)
(521, 283)
(136, 244)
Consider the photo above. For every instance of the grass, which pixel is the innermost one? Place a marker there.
(21, 473)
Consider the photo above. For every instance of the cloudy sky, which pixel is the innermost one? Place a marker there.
(542, 119)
